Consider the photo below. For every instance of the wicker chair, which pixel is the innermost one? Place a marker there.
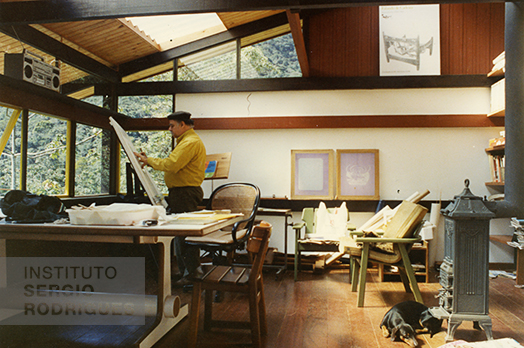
(238, 198)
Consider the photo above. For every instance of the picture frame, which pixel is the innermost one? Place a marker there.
(312, 174)
(358, 174)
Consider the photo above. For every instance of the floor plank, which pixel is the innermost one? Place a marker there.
(319, 310)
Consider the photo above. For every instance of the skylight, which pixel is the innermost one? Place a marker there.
(174, 30)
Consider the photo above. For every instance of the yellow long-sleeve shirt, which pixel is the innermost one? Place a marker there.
(186, 164)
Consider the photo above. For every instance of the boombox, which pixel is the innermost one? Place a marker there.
(32, 68)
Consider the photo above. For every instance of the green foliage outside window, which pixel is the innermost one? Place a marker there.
(148, 106)
(46, 155)
(274, 58)
(88, 161)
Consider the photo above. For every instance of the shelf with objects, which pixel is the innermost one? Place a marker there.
(498, 89)
(496, 157)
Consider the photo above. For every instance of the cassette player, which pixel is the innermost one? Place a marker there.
(32, 68)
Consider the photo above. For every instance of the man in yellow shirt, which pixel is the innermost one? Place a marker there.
(183, 174)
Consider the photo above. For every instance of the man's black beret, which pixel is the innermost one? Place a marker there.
(181, 116)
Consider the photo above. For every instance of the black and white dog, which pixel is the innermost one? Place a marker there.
(407, 318)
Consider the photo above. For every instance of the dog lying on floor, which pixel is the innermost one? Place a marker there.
(407, 318)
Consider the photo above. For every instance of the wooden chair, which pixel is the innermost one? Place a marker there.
(306, 241)
(234, 279)
(391, 248)
(238, 198)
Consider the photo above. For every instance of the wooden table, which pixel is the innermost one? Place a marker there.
(168, 315)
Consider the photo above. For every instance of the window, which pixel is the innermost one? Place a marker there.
(88, 161)
(46, 155)
(274, 58)
(217, 63)
(146, 106)
(95, 100)
(270, 59)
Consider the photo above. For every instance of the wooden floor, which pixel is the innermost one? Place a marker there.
(317, 311)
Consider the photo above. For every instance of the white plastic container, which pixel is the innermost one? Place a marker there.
(115, 214)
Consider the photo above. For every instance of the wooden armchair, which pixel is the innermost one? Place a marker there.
(391, 248)
(234, 279)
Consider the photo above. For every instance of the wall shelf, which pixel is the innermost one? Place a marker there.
(497, 167)
(500, 113)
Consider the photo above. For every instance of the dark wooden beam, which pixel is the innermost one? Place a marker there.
(45, 11)
(196, 46)
(296, 84)
(298, 39)
(316, 122)
(24, 95)
(57, 49)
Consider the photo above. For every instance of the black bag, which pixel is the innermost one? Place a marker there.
(22, 206)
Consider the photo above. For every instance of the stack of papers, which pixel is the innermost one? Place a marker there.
(200, 218)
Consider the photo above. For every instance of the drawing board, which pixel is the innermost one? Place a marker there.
(154, 194)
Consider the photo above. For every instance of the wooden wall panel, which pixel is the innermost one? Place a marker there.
(345, 42)
(497, 25)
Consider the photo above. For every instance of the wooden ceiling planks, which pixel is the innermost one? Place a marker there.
(116, 41)
(111, 39)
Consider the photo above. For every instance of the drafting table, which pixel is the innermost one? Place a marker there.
(168, 315)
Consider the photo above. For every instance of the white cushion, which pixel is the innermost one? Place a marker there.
(330, 226)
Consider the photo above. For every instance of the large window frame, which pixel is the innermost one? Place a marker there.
(21, 182)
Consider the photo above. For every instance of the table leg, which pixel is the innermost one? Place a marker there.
(167, 313)
(283, 269)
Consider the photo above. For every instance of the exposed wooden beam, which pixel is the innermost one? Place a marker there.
(298, 39)
(316, 122)
(196, 46)
(295, 84)
(45, 11)
(57, 49)
(24, 95)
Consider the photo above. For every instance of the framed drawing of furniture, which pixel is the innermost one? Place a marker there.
(407, 50)
(357, 174)
(312, 174)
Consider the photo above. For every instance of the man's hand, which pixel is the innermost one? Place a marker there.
(142, 158)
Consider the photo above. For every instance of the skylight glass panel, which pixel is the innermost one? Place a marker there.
(174, 30)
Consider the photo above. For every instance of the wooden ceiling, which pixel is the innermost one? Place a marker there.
(113, 42)
(92, 37)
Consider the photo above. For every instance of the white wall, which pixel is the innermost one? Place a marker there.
(411, 159)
